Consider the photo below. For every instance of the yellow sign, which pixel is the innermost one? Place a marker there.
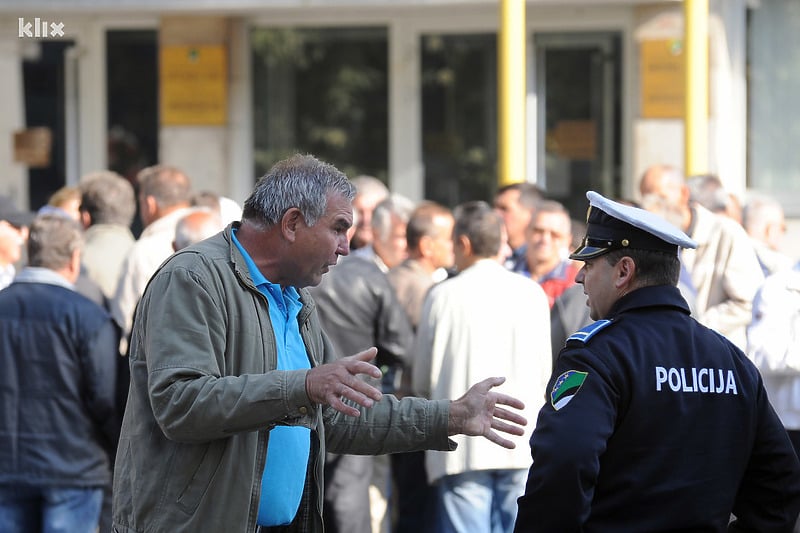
(663, 75)
(193, 85)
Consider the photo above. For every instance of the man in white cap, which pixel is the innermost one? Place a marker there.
(653, 421)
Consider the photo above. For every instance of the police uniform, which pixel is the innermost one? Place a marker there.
(654, 422)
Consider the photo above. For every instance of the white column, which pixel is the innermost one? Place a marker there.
(14, 179)
(406, 172)
(728, 93)
(92, 95)
(241, 169)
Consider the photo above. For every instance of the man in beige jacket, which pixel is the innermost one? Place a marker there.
(724, 268)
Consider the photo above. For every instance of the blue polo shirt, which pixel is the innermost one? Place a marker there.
(289, 446)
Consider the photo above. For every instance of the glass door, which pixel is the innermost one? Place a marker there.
(578, 125)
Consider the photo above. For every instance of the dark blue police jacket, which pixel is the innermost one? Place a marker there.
(656, 423)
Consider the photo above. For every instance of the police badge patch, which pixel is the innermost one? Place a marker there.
(566, 387)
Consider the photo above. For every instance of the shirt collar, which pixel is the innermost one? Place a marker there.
(258, 277)
(42, 275)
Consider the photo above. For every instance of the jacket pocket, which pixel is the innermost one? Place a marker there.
(202, 462)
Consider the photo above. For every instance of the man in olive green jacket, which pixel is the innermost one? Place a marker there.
(208, 382)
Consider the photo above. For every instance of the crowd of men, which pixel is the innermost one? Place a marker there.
(327, 355)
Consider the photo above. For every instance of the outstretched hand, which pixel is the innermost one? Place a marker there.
(478, 413)
(327, 384)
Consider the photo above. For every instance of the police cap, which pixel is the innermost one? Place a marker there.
(611, 226)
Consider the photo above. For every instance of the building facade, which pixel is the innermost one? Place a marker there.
(405, 90)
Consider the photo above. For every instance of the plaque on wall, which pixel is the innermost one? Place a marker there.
(33, 147)
(193, 85)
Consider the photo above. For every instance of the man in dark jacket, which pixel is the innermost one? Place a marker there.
(653, 421)
(58, 356)
(358, 309)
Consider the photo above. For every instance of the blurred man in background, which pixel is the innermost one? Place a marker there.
(516, 203)
(58, 365)
(13, 234)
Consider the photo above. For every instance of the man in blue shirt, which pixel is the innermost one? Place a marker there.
(236, 392)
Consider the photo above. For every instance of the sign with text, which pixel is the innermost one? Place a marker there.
(193, 85)
(663, 76)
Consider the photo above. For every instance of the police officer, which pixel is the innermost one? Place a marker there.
(652, 422)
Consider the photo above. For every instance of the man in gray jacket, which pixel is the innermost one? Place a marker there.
(236, 393)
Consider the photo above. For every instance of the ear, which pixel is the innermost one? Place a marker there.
(425, 245)
(86, 219)
(625, 273)
(685, 194)
(151, 206)
(465, 244)
(73, 268)
(291, 221)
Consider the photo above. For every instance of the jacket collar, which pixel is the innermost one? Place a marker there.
(243, 272)
(653, 296)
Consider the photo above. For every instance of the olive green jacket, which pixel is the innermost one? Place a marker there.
(204, 394)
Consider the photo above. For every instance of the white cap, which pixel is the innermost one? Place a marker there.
(611, 225)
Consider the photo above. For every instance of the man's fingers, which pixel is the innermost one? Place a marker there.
(362, 393)
(329, 383)
(511, 416)
(342, 407)
(505, 399)
(505, 427)
(367, 355)
(366, 390)
(360, 363)
(360, 367)
(500, 441)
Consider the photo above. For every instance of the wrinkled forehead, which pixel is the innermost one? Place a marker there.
(339, 208)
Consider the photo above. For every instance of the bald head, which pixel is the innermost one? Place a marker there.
(664, 192)
(196, 226)
(659, 179)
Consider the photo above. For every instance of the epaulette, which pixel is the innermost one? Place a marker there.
(587, 332)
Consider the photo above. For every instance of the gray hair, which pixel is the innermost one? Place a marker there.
(482, 226)
(370, 186)
(395, 205)
(301, 181)
(52, 241)
(759, 212)
(551, 206)
(707, 190)
(108, 198)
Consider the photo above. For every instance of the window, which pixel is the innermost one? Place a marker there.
(774, 113)
(323, 92)
(459, 117)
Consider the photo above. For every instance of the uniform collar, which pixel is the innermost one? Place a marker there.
(653, 296)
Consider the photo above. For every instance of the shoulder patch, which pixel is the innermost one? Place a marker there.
(587, 332)
(566, 387)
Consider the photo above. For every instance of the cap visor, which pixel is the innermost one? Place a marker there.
(587, 252)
